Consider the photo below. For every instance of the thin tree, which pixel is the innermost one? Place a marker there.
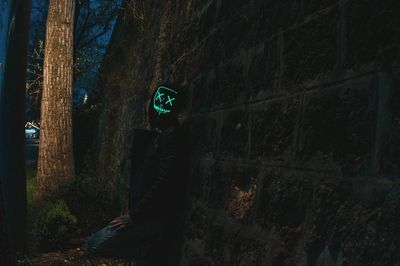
(5, 257)
(14, 27)
(56, 162)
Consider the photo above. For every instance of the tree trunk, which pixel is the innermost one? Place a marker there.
(5, 253)
(14, 26)
(56, 162)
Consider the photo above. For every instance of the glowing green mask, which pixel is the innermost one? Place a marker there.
(163, 101)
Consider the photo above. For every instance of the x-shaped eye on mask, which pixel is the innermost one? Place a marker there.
(159, 96)
(169, 100)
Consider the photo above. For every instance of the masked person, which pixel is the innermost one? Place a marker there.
(157, 184)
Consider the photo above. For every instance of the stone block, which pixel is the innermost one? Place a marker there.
(204, 134)
(313, 6)
(197, 223)
(390, 127)
(263, 70)
(214, 178)
(229, 86)
(372, 28)
(232, 36)
(273, 129)
(309, 52)
(213, 52)
(284, 200)
(213, 248)
(246, 251)
(207, 19)
(269, 17)
(201, 88)
(338, 127)
(230, 8)
(233, 139)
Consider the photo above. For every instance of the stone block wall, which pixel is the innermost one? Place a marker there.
(294, 119)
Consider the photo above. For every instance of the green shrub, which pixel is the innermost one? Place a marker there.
(54, 226)
(90, 201)
(22, 259)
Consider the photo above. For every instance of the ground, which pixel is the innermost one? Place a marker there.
(73, 256)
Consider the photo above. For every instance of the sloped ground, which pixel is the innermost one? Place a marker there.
(72, 256)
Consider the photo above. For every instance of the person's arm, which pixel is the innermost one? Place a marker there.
(121, 221)
(168, 154)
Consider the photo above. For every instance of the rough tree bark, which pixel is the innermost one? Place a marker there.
(56, 162)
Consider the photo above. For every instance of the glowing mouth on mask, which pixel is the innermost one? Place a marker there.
(160, 110)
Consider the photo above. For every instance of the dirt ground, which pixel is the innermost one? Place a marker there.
(72, 256)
